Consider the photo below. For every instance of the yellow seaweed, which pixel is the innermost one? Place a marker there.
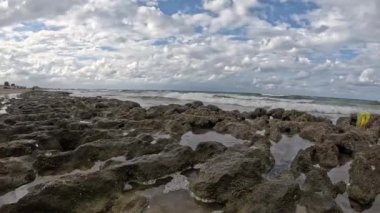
(363, 119)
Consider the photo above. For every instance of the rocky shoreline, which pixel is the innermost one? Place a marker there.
(70, 154)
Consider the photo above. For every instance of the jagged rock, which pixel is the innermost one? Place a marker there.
(276, 113)
(206, 150)
(15, 172)
(304, 160)
(150, 167)
(67, 193)
(327, 155)
(313, 202)
(194, 104)
(279, 195)
(17, 148)
(241, 130)
(229, 173)
(317, 181)
(365, 176)
(308, 131)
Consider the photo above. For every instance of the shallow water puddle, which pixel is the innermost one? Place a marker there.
(174, 197)
(285, 151)
(340, 173)
(192, 139)
(5, 102)
(20, 192)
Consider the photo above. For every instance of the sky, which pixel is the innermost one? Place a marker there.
(305, 47)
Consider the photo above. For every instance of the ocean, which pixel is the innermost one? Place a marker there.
(332, 108)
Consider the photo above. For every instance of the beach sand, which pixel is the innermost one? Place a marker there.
(12, 91)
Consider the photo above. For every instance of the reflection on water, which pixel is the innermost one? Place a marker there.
(174, 197)
(5, 101)
(192, 139)
(340, 173)
(285, 151)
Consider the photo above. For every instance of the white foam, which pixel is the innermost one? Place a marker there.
(232, 101)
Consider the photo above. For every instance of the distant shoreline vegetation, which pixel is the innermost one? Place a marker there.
(8, 85)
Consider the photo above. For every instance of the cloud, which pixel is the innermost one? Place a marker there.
(217, 44)
(16, 11)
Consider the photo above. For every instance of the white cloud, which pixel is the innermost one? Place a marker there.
(23, 10)
(117, 43)
(367, 76)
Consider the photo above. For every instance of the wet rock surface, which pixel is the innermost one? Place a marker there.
(88, 154)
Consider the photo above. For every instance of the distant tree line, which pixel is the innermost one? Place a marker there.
(7, 85)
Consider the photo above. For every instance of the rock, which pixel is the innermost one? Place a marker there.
(340, 187)
(105, 144)
(327, 155)
(257, 113)
(365, 176)
(130, 203)
(109, 124)
(194, 104)
(317, 181)
(151, 167)
(213, 108)
(145, 138)
(206, 150)
(294, 115)
(15, 172)
(229, 173)
(68, 139)
(135, 114)
(274, 133)
(168, 110)
(241, 130)
(304, 160)
(200, 122)
(177, 127)
(308, 131)
(67, 193)
(86, 155)
(279, 195)
(44, 140)
(276, 113)
(17, 148)
(276, 128)
(352, 140)
(260, 142)
(314, 202)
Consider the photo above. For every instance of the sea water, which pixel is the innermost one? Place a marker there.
(328, 107)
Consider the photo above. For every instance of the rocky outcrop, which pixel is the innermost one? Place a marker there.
(230, 173)
(91, 154)
(365, 176)
(15, 172)
(279, 195)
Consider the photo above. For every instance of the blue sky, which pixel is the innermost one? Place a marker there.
(307, 47)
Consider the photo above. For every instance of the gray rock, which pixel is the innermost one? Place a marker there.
(279, 195)
(229, 173)
(15, 172)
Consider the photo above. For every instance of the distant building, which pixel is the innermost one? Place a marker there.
(6, 85)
